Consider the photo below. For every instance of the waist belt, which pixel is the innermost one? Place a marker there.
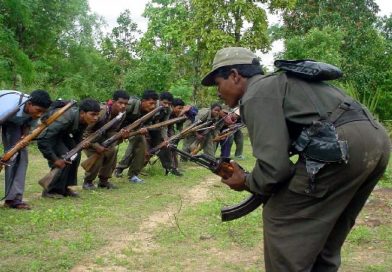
(351, 111)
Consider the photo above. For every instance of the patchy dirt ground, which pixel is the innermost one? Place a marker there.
(378, 209)
(377, 212)
(143, 239)
(375, 252)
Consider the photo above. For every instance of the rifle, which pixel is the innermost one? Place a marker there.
(228, 132)
(196, 146)
(22, 143)
(159, 125)
(182, 134)
(223, 168)
(73, 153)
(90, 161)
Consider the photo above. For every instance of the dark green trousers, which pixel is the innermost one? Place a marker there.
(68, 175)
(306, 231)
(238, 138)
(164, 154)
(103, 167)
(134, 156)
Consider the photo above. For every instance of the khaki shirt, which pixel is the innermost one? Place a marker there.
(275, 108)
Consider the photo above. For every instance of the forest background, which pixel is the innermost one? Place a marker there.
(61, 46)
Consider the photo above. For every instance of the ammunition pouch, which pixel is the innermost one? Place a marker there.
(319, 143)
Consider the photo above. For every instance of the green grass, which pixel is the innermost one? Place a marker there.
(60, 234)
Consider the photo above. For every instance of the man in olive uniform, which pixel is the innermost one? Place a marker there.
(205, 137)
(18, 113)
(179, 109)
(157, 136)
(134, 156)
(60, 137)
(104, 166)
(238, 139)
(309, 214)
(230, 118)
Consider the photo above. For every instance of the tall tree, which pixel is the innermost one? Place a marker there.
(193, 30)
(365, 54)
(120, 47)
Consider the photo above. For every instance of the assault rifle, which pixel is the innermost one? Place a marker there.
(223, 168)
(22, 143)
(90, 161)
(228, 132)
(73, 153)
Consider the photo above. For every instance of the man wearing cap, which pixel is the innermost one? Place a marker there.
(312, 203)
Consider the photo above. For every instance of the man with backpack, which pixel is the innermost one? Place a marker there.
(343, 152)
(18, 113)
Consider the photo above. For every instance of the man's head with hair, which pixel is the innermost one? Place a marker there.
(150, 94)
(177, 106)
(215, 109)
(149, 100)
(165, 99)
(38, 103)
(120, 94)
(119, 102)
(178, 102)
(231, 69)
(89, 111)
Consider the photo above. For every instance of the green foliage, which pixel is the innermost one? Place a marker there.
(183, 89)
(360, 235)
(370, 101)
(193, 30)
(60, 47)
(152, 71)
(321, 44)
(363, 48)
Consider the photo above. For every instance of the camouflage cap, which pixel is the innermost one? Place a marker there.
(228, 56)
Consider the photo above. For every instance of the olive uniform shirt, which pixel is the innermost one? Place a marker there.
(59, 138)
(274, 113)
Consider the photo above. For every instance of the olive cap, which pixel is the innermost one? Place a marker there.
(228, 56)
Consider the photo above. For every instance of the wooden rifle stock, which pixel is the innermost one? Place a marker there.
(182, 134)
(88, 163)
(159, 125)
(196, 146)
(228, 132)
(131, 127)
(223, 168)
(72, 154)
(22, 143)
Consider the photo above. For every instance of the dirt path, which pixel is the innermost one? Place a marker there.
(142, 240)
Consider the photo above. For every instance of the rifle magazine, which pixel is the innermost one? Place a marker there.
(243, 208)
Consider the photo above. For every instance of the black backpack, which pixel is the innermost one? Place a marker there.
(309, 69)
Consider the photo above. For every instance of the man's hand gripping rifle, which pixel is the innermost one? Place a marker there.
(228, 132)
(192, 128)
(128, 131)
(23, 142)
(73, 153)
(223, 168)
